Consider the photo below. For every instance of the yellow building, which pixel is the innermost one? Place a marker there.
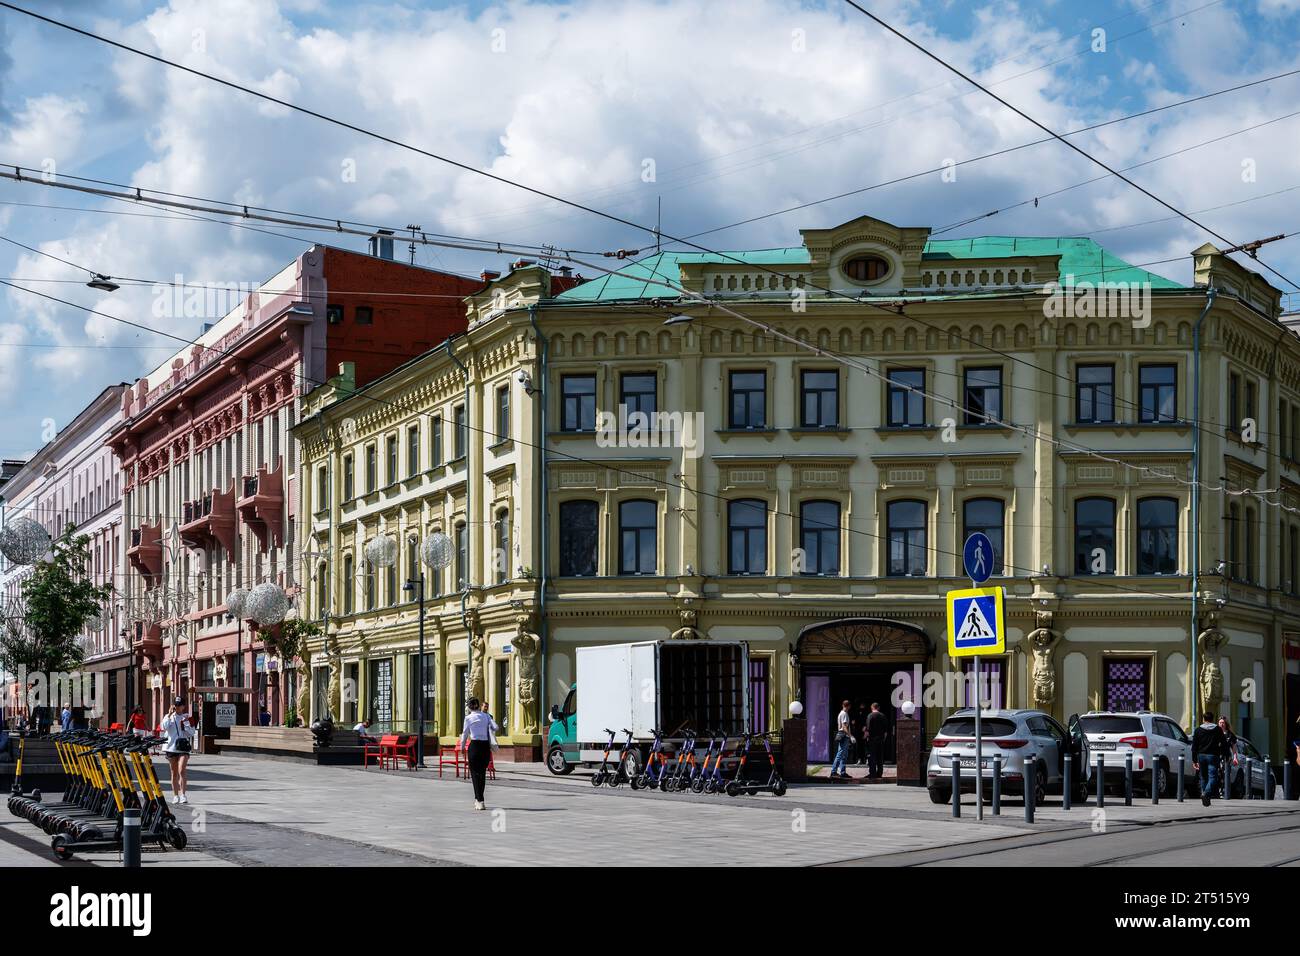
(789, 447)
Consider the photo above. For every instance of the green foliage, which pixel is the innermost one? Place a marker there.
(286, 640)
(58, 599)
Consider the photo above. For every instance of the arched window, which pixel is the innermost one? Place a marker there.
(501, 532)
(349, 583)
(638, 526)
(1094, 536)
(906, 530)
(747, 536)
(986, 515)
(1157, 537)
(579, 538)
(819, 537)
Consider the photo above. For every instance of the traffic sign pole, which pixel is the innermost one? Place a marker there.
(977, 557)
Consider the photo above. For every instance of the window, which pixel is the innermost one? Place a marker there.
(819, 537)
(986, 515)
(906, 521)
(429, 685)
(413, 451)
(1234, 402)
(638, 394)
(322, 488)
(1158, 393)
(390, 460)
(579, 537)
(435, 451)
(747, 536)
(372, 587)
(748, 400)
(638, 525)
(1094, 536)
(866, 268)
(348, 489)
(334, 314)
(983, 389)
(1251, 395)
(1157, 538)
(1284, 449)
(503, 413)
(760, 693)
(501, 695)
(381, 694)
(577, 403)
(906, 402)
(1126, 683)
(819, 398)
(322, 590)
(1293, 581)
(349, 583)
(462, 558)
(1095, 393)
(413, 569)
(1230, 531)
(390, 584)
(501, 559)
(372, 468)
(990, 686)
(365, 315)
(1252, 545)
(460, 423)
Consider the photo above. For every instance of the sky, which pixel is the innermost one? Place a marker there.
(714, 111)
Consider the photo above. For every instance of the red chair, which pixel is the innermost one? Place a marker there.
(405, 749)
(381, 752)
(459, 757)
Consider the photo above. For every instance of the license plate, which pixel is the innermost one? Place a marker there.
(970, 762)
(1103, 746)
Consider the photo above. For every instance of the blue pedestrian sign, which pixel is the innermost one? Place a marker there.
(976, 623)
(977, 556)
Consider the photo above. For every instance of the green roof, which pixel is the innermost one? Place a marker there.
(656, 275)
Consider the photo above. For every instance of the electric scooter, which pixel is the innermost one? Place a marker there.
(673, 783)
(774, 784)
(656, 766)
(625, 769)
(700, 772)
(713, 780)
(600, 776)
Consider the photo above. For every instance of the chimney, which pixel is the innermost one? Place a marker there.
(381, 244)
(521, 263)
(487, 275)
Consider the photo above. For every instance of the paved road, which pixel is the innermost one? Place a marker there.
(250, 811)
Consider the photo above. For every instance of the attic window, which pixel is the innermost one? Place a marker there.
(866, 268)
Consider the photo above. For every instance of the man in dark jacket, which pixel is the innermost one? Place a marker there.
(1209, 748)
(877, 731)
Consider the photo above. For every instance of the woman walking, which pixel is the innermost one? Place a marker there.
(180, 744)
(479, 730)
(1232, 760)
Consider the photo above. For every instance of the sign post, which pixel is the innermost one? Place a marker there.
(976, 623)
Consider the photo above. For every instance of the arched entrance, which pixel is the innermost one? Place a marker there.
(855, 659)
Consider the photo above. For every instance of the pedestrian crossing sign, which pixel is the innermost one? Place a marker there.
(976, 623)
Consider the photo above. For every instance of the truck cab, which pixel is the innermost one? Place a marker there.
(562, 735)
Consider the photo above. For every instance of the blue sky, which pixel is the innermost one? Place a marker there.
(742, 106)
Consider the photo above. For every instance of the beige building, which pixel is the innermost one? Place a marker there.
(797, 461)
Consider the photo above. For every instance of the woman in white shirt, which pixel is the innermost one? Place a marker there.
(479, 728)
(180, 744)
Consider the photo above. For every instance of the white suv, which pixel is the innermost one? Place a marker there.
(1152, 739)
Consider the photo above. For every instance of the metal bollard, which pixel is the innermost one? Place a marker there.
(997, 784)
(1101, 780)
(1030, 778)
(1286, 779)
(1155, 782)
(1249, 771)
(1182, 775)
(1128, 779)
(1066, 793)
(1225, 779)
(1268, 779)
(956, 787)
(131, 839)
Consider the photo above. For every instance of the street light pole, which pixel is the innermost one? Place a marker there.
(417, 585)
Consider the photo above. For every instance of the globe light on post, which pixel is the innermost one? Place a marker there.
(267, 604)
(796, 708)
(237, 603)
(908, 708)
(436, 552)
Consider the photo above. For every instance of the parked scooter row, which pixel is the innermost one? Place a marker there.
(684, 770)
(107, 773)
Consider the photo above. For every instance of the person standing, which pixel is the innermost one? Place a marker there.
(65, 718)
(843, 741)
(1231, 759)
(478, 735)
(1208, 748)
(180, 744)
(877, 731)
(138, 723)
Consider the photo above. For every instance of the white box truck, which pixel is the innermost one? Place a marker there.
(643, 687)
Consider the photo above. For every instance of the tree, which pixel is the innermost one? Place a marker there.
(58, 599)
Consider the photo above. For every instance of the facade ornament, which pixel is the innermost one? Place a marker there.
(302, 704)
(478, 651)
(688, 631)
(1042, 682)
(336, 681)
(1211, 642)
(526, 646)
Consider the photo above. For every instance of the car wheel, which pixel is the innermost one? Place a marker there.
(938, 796)
(556, 763)
(1040, 785)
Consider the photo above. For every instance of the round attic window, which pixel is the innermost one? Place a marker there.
(865, 268)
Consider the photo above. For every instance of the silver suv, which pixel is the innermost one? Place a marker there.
(1150, 737)
(1029, 742)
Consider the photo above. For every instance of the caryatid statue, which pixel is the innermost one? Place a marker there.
(478, 651)
(526, 646)
(1211, 642)
(1042, 674)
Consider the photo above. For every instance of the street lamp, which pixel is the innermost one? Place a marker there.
(236, 604)
(436, 554)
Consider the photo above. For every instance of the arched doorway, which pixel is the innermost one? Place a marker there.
(859, 659)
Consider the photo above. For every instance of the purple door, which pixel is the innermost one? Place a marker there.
(819, 717)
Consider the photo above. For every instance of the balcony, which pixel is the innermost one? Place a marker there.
(146, 553)
(208, 519)
(147, 640)
(261, 506)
